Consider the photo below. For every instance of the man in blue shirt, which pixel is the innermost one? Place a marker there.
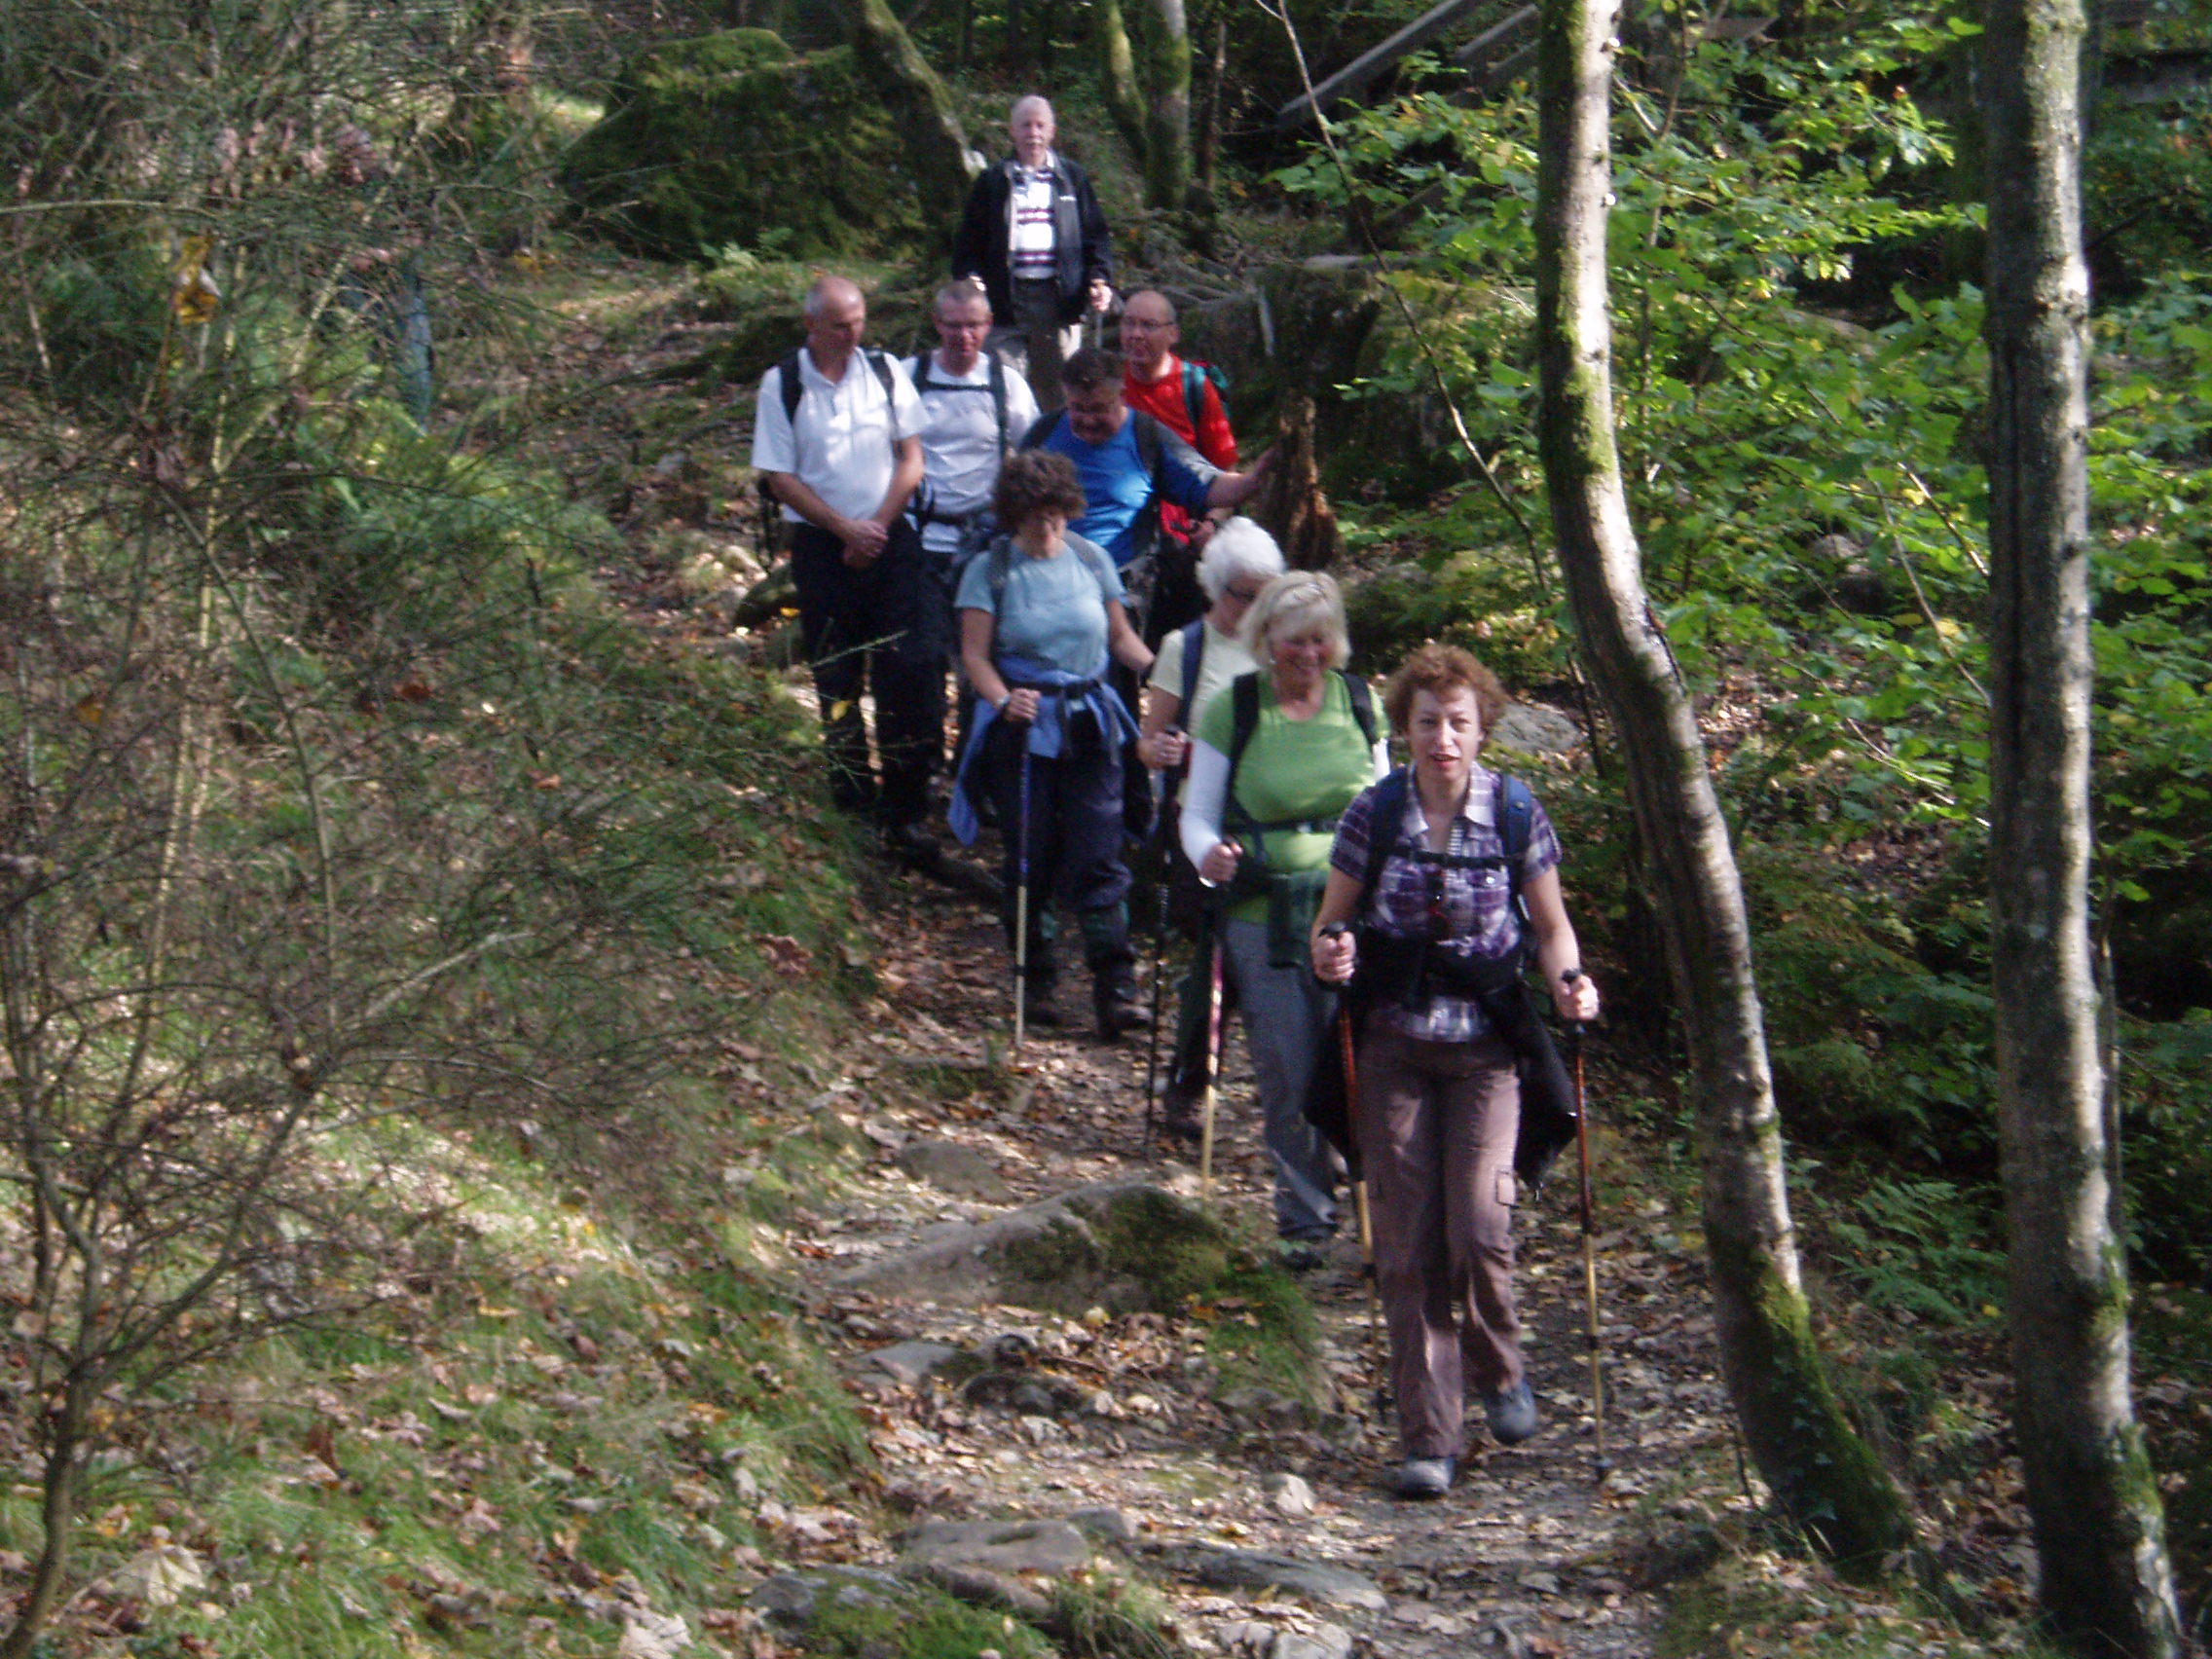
(1128, 463)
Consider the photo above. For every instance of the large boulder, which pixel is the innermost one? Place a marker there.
(732, 139)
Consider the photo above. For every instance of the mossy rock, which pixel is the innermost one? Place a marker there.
(732, 139)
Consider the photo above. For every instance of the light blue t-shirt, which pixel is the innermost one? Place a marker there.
(1118, 486)
(1053, 611)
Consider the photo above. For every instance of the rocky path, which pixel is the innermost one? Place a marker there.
(1215, 1499)
(1263, 1526)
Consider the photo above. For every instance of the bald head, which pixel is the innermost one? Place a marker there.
(1032, 128)
(1149, 333)
(837, 314)
(829, 291)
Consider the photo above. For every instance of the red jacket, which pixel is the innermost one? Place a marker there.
(1164, 400)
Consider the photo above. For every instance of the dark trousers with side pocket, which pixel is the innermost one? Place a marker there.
(880, 630)
(1071, 808)
(1437, 1123)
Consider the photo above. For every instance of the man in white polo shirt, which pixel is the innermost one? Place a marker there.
(837, 433)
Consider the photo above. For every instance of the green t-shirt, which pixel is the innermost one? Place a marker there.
(1291, 769)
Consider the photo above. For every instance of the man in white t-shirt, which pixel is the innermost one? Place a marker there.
(974, 409)
(838, 431)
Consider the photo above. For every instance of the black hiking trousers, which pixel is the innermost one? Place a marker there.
(880, 630)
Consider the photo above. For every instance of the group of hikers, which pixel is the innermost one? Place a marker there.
(1057, 519)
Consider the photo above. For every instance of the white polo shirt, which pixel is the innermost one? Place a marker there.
(842, 446)
(961, 451)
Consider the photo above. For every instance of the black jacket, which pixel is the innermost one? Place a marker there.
(1082, 244)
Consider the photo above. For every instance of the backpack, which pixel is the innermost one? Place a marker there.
(1194, 376)
(1194, 660)
(996, 388)
(1137, 804)
(1152, 450)
(1548, 1119)
(791, 388)
(1000, 566)
(1244, 718)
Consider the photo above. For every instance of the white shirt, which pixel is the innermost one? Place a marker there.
(1224, 660)
(961, 448)
(842, 448)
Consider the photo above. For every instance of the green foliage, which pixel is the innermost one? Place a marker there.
(1920, 1247)
(2147, 189)
(729, 138)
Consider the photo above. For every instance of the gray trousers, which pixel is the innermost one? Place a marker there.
(1437, 1123)
(1287, 1012)
(1035, 341)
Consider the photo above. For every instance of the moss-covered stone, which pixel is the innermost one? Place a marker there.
(732, 139)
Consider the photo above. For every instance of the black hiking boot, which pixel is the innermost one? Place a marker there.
(1114, 999)
(1179, 1107)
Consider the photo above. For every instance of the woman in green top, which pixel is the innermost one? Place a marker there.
(1258, 817)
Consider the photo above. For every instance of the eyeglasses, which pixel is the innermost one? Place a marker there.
(1243, 596)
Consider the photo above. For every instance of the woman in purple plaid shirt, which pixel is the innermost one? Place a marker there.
(1439, 1103)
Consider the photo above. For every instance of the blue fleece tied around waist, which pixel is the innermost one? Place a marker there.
(1048, 733)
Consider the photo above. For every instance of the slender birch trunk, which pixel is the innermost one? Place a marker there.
(1825, 1477)
(2099, 1527)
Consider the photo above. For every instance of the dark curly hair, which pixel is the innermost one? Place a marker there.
(1033, 482)
(1090, 367)
(1440, 670)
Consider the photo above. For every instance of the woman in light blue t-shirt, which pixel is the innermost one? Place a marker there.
(1041, 615)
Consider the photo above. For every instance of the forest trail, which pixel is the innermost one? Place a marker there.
(1526, 1556)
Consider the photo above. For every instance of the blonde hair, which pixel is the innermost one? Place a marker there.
(1297, 603)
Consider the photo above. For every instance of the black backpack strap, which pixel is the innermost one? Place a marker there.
(998, 394)
(792, 390)
(1000, 566)
(1384, 815)
(885, 375)
(1152, 454)
(1041, 428)
(1194, 659)
(1244, 720)
(1362, 697)
(1515, 810)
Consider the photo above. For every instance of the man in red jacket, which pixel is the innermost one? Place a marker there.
(1184, 397)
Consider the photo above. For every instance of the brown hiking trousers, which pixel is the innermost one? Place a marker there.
(1436, 1129)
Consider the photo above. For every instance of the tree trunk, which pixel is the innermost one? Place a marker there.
(1123, 100)
(1209, 127)
(937, 146)
(1167, 154)
(2098, 1524)
(57, 1516)
(1825, 1477)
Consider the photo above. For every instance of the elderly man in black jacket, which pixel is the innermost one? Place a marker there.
(1033, 232)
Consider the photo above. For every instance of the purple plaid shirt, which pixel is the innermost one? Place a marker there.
(1475, 906)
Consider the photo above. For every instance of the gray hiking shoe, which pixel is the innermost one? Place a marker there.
(1511, 1413)
(1424, 1477)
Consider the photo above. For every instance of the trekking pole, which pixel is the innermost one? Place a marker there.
(1214, 1068)
(1601, 1465)
(1021, 906)
(1375, 1343)
(1158, 965)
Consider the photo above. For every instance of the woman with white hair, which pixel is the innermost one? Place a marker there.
(1274, 761)
(1194, 664)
